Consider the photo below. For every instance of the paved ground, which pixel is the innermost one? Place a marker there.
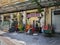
(34, 40)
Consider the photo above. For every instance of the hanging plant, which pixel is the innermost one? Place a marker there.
(39, 7)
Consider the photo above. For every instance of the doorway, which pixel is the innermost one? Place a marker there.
(56, 20)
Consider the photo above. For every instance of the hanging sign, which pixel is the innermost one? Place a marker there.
(33, 15)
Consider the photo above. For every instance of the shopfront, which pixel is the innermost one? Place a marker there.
(56, 20)
(6, 20)
(52, 16)
(32, 18)
(32, 15)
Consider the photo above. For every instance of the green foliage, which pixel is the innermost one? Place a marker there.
(39, 7)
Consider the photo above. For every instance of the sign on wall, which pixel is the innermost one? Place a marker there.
(33, 15)
(57, 12)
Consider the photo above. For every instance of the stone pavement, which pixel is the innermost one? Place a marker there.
(5, 40)
(34, 40)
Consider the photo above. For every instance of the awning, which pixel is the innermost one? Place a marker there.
(26, 6)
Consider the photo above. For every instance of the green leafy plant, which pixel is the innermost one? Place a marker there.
(39, 7)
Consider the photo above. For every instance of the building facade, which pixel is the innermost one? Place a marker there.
(51, 10)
